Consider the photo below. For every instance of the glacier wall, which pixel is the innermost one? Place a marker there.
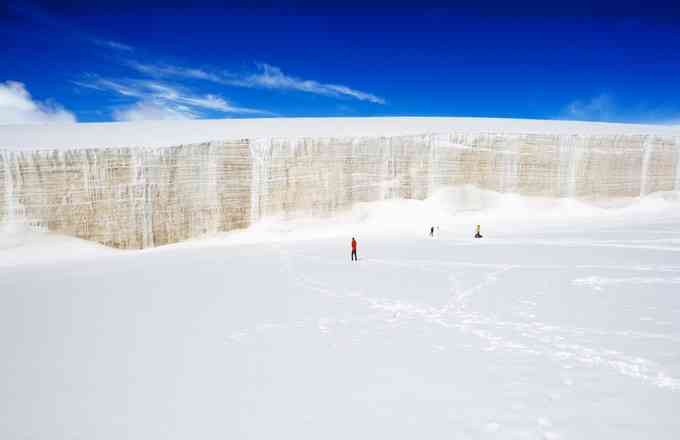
(142, 197)
(129, 197)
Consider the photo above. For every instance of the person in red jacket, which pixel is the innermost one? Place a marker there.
(354, 250)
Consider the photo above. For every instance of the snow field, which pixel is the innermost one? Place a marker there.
(563, 322)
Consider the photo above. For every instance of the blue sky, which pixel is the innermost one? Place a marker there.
(106, 61)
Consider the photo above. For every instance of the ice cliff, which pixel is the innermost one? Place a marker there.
(138, 197)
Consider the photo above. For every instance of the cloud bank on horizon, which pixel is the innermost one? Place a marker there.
(18, 107)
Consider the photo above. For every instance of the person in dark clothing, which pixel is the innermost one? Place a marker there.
(432, 231)
(354, 250)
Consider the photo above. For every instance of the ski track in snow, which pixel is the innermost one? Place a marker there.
(597, 282)
(564, 345)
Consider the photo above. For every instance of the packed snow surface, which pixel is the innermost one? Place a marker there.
(168, 133)
(562, 322)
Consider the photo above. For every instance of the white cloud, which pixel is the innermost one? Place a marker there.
(159, 71)
(104, 84)
(356, 94)
(155, 95)
(604, 108)
(114, 45)
(153, 110)
(598, 108)
(272, 77)
(268, 77)
(18, 107)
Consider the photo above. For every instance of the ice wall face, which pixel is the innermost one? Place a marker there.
(325, 176)
(142, 197)
(559, 166)
(129, 198)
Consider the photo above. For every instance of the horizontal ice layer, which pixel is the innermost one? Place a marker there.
(171, 133)
(130, 197)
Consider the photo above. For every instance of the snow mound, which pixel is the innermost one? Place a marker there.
(19, 245)
(457, 209)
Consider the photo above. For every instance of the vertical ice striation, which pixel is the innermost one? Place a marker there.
(568, 166)
(647, 149)
(260, 154)
(8, 204)
(143, 197)
(294, 177)
(129, 197)
(14, 212)
(139, 195)
(676, 182)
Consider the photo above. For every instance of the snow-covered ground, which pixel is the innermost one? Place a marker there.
(563, 322)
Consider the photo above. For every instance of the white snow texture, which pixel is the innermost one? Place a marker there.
(563, 322)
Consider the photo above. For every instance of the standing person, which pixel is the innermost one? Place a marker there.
(354, 250)
(478, 234)
(432, 231)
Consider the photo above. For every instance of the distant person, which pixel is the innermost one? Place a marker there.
(354, 250)
(432, 231)
(478, 234)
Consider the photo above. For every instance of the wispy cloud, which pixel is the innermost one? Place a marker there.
(162, 100)
(598, 108)
(605, 108)
(267, 77)
(151, 110)
(165, 70)
(110, 44)
(18, 107)
(272, 77)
